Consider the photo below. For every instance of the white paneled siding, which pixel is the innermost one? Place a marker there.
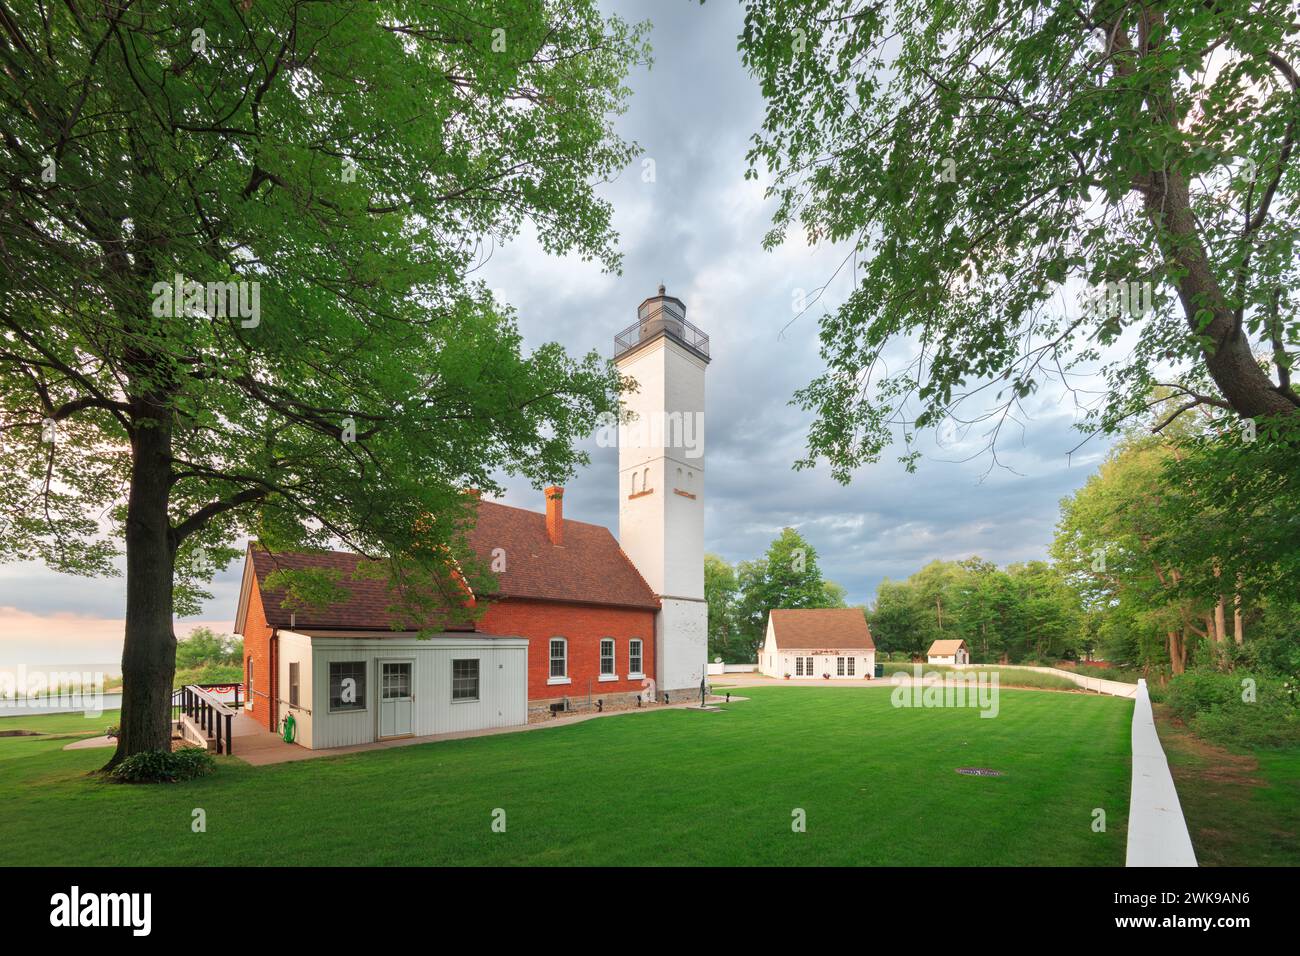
(503, 684)
(775, 661)
(296, 648)
(783, 663)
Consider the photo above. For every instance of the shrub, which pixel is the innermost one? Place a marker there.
(1199, 692)
(163, 766)
(1211, 703)
(1249, 726)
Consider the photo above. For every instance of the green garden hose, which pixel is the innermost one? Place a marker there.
(290, 726)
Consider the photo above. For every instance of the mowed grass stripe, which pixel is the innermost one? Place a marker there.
(877, 783)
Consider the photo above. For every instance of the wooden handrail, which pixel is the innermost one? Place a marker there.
(204, 694)
(213, 716)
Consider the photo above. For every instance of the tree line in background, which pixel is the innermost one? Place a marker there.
(1180, 552)
(1185, 545)
(1176, 561)
(1022, 613)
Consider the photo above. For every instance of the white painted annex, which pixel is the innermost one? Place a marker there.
(818, 643)
(661, 481)
(345, 688)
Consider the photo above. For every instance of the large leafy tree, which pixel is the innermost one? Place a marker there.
(1185, 547)
(721, 593)
(205, 646)
(788, 575)
(980, 596)
(1116, 540)
(1018, 185)
(1232, 508)
(899, 621)
(341, 167)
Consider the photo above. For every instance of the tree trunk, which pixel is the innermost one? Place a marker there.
(1241, 381)
(149, 652)
(1177, 652)
(1238, 624)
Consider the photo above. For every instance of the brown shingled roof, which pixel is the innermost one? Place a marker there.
(590, 568)
(808, 628)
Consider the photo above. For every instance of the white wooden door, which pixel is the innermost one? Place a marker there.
(396, 698)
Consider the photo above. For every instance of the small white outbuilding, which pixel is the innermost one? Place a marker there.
(948, 652)
(820, 643)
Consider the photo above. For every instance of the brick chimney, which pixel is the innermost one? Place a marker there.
(555, 514)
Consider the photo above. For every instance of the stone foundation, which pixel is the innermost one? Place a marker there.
(685, 695)
(579, 704)
(621, 700)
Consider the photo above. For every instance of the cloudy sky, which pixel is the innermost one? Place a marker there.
(696, 227)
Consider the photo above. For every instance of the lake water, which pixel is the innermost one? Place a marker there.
(31, 706)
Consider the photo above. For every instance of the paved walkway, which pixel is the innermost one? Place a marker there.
(261, 748)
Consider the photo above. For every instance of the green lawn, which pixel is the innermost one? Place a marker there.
(1241, 807)
(878, 785)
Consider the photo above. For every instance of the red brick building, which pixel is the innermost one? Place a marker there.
(565, 587)
(577, 616)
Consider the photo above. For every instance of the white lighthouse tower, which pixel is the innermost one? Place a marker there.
(661, 481)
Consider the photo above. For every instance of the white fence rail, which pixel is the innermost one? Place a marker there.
(716, 669)
(1157, 831)
(1116, 688)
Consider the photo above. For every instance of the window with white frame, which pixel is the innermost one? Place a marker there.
(559, 657)
(293, 683)
(464, 679)
(851, 662)
(839, 667)
(634, 658)
(607, 657)
(347, 685)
